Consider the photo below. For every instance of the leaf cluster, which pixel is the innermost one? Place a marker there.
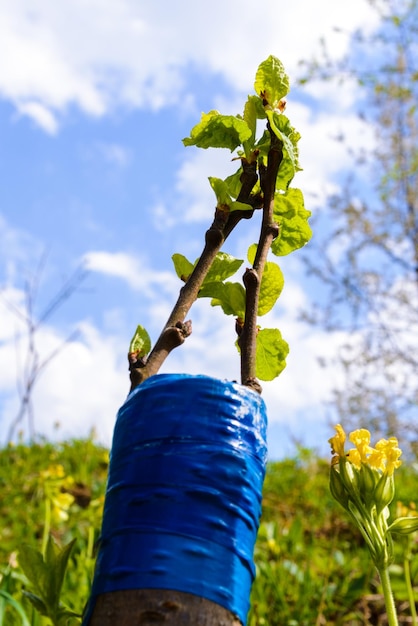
(240, 134)
(272, 349)
(46, 576)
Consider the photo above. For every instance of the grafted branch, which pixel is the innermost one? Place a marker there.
(176, 329)
(252, 277)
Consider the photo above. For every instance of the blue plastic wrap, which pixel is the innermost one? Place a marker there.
(184, 491)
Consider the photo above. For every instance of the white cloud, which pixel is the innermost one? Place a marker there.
(323, 153)
(98, 55)
(80, 389)
(192, 185)
(41, 115)
(132, 270)
(84, 386)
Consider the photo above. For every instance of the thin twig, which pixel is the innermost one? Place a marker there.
(33, 366)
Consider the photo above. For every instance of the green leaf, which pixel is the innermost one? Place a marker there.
(182, 266)
(229, 296)
(17, 607)
(64, 614)
(218, 131)
(259, 107)
(250, 115)
(271, 353)
(34, 568)
(140, 342)
(271, 81)
(234, 186)
(233, 183)
(271, 287)
(223, 266)
(52, 591)
(46, 575)
(272, 283)
(289, 136)
(404, 525)
(253, 111)
(56, 560)
(224, 200)
(37, 603)
(338, 490)
(263, 144)
(292, 217)
(251, 254)
(220, 188)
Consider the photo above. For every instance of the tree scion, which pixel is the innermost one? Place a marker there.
(268, 164)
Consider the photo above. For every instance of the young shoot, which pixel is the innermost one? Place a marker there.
(267, 164)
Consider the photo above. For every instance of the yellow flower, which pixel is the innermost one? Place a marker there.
(354, 457)
(56, 486)
(361, 439)
(53, 471)
(384, 457)
(337, 442)
(377, 459)
(60, 505)
(392, 452)
(362, 481)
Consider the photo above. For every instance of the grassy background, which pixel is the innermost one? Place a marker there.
(312, 565)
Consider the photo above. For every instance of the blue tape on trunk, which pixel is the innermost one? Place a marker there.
(184, 491)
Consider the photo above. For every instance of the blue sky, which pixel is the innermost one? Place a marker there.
(95, 98)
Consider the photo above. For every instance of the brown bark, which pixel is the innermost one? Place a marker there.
(175, 331)
(150, 607)
(253, 276)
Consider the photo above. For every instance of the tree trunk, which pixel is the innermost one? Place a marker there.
(150, 607)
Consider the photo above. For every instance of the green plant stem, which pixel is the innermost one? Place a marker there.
(90, 543)
(47, 525)
(388, 595)
(411, 599)
(8, 598)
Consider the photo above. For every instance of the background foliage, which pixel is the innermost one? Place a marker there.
(312, 566)
(365, 250)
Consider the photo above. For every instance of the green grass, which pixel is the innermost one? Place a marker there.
(312, 565)
(23, 515)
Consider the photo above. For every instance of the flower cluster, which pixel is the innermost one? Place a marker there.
(362, 481)
(384, 456)
(56, 486)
